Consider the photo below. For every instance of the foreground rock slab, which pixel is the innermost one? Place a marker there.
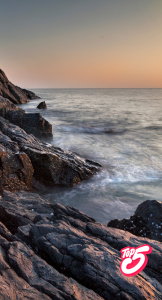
(47, 164)
(146, 221)
(12, 92)
(32, 123)
(24, 275)
(64, 247)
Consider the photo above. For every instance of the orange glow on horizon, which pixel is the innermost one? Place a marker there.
(110, 46)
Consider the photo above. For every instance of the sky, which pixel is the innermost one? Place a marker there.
(82, 43)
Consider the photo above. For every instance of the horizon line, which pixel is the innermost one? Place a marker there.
(82, 88)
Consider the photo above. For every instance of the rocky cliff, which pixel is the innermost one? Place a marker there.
(12, 92)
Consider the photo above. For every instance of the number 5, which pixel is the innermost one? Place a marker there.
(129, 266)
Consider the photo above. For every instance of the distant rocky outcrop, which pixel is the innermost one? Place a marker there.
(31, 122)
(11, 95)
(146, 222)
(57, 252)
(12, 92)
(42, 105)
(22, 153)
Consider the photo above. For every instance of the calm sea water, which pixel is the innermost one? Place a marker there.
(131, 155)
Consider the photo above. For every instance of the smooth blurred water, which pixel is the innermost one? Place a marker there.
(131, 155)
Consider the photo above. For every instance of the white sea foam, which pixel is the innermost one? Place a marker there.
(132, 160)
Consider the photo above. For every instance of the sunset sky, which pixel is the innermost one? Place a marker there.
(86, 43)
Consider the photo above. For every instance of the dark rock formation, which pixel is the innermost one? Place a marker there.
(146, 222)
(30, 95)
(52, 165)
(14, 93)
(57, 252)
(42, 105)
(32, 122)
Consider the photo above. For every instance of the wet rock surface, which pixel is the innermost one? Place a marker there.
(25, 275)
(23, 156)
(32, 123)
(42, 105)
(146, 221)
(12, 92)
(58, 252)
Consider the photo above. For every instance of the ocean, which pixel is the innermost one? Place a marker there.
(119, 128)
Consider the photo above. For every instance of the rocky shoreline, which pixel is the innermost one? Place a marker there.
(57, 252)
(53, 251)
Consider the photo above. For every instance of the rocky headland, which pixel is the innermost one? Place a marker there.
(53, 251)
(14, 93)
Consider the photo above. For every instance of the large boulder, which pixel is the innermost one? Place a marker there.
(14, 93)
(31, 122)
(61, 252)
(42, 105)
(146, 221)
(52, 166)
